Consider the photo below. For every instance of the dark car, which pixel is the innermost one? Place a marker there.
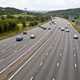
(49, 28)
(19, 38)
(24, 32)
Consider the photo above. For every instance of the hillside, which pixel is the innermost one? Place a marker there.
(9, 10)
(69, 12)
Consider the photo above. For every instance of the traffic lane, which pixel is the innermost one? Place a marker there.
(52, 74)
(67, 70)
(46, 71)
(73, 70)
(76, 53)
(76, 58)
(77, 49)
(15, 46)
(10, 58)
(34, 67)
(64, 67)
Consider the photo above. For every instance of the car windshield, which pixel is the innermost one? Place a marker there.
(39, 39)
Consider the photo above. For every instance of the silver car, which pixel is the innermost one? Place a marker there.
(67, 30)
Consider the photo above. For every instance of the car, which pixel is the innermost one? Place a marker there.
(67, 30)
(53, 22)
(62, 29)
(66, 27)
(24, 32)
(50, 23)
(19, 38)
(44, 28)
(49, 28)
(75, 36)
(59, 27)
(32, 36)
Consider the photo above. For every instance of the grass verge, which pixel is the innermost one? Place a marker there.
(77, 27)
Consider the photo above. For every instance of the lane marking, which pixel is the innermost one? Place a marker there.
(15, 51)
(47, 54)
(74, 49)
(2, 60)
(74, 54)
(58, 64)
(60, 54)
(32, 78)
(41, 63)
(75, 65)
(53, 79)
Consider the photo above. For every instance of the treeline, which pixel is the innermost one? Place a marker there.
(10, 22)
(7, 25)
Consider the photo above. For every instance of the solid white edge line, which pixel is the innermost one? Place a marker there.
(32, 78)
(53, 79)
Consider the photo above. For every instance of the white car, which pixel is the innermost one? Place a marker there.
(19, 38)
(62, 29)
(75, 36)
(67, 30)
(32, 36)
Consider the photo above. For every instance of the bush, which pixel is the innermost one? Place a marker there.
(7, 25)
(24, 24)
(33, 23)
(10, 17)
(73, 20)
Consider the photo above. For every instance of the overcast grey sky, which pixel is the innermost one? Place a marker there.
(40, 4)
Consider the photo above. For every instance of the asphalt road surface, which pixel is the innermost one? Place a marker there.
(52, 55)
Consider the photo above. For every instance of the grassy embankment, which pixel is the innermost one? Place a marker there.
(76, 26)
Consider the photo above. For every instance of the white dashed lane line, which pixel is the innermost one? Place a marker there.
(58, 64)
(53, 79)
(32, 78)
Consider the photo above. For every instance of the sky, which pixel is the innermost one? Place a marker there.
(40, 5)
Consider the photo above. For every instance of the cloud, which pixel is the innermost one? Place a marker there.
(40, 4)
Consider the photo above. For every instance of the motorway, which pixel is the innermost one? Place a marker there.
(52, 55)
(10, 49)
